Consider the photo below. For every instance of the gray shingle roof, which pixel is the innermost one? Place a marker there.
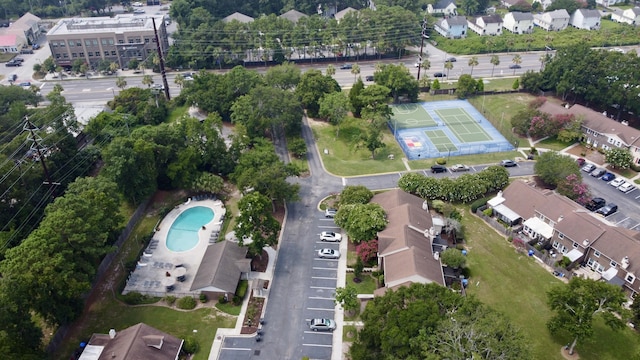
(238, 16)
(520, 16)
(293, 15)
(457, 20)
(492, 19)
(442, 4)
(221, 267)
(589, 13)
(139, 341)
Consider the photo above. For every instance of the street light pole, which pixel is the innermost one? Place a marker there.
(423, 35)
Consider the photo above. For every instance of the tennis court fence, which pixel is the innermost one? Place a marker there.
(497, 120)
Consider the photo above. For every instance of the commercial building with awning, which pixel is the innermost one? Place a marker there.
(535, 227)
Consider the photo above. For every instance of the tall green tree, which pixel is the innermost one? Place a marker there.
(355, 194)
(285, 76)
(361, 221)
(256, 222)
(398, 80)
(553, 167)
(334, 107)
(312, 87)
(131, 164)
(575, 305)
(473, 62)
(354, 98)
(495, 61)
(619, 158)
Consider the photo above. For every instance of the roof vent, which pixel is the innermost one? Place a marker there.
(560, 218)
(153, 341)
(625, 262)
(112, 334)
(585, 242)
(436, 255)
(425, 205)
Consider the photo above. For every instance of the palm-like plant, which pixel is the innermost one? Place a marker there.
(355, 70)
(425, 65)
(147, 80)
(517, 59)
(448, 65)
(121, 82)
(331, 70)
(179, 80)
(473, 62)
(495, 61)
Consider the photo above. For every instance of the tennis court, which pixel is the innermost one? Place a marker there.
(444, 128)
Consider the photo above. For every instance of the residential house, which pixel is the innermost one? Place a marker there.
(518, 22)
(139, 341)
(454, 27)
(543, 3)
(245, 19)
(26, 29)
(608, 3)
(553, 20)
(444, 7)
(9, 44)
(587, 19)
(629, 16)
(223, 265)
(600, 131)
(118, 39)
(340, 14)
(486, 25)
(293, 16)
(509, 3)
(595, 247)
(409, 247)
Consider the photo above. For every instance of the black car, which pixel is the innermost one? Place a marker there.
(607, 210)
(439, 74)
(12, 63)
(515, 66)
(595, 204)
(346, 66)
(451, 59)
(438, 169)
(369, 78)
(26, 51)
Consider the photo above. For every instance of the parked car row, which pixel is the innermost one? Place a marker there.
(437, 168)
(616, 182)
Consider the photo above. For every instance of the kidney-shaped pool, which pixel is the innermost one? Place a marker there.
(183, 234)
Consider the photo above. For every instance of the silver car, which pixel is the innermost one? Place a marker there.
(330, 236)
(328, 254)
(459, 167)
(322, 325)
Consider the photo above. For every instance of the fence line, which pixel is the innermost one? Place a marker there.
(496, 120)
(62, 331)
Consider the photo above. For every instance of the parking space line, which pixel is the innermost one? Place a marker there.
(321, 309)
(322, 287)
(324, 278)
(622, 220)
(323, 268)
(321, 298)
(634, 226)
(236, 349)
(344, 181)
(319, 333)
(425, 173)
(325, 259)
(637, 196)
(328, 227)
(317, 345)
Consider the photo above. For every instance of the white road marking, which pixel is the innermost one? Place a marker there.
(236, 349)
(326, 259)
(86, 90)
(324, 278)
(344, 181)
(622, 220)
(323, 268)
(321, 298)
(325, 287)
(319, 333)
(320, 309)
(317, 345)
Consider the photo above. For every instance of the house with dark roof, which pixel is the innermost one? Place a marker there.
(454, 27)
(137, 342)
(486, 25)
(555, 20)
(444, 7)
(245, 19)
(409, 247)
(628, 16)
(587, 19)
(518, 22)
(293, 16)
(223, 265)
(598, 130)
(596, 248)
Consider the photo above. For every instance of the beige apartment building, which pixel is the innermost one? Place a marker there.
(119, 39)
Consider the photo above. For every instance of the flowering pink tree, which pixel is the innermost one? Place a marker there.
(367, 250)
(538, 127)
(573, 188)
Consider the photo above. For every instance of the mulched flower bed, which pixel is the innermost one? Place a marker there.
(252, 317)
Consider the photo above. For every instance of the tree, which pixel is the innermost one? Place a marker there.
(179, 80)
(466, 86)
(619, 158)
(367, 250)
(361, 221)
(207, 182)
(121, 82)
(347, 297)
(449, 66)
(425, 65)
(147, 80)
(575, 305)
(331, 70)
(470, 7)
(453, 258)
(517, 60)
(355, 194)
(355, 70)
(131, 164)
(313, 85)
(398, 80)
(573, 188)
(354, 98)
(372, 140)
(284, 76)
(256, 222)
(334, 107)
(553, 167)
(516, 84)
(473, 62)
(374, 99)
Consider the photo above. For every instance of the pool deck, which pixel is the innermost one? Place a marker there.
(158, 266)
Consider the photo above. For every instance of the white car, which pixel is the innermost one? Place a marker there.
(330, 236)
(626, 187)
(459, 167)
(330, 213)
(616, 182)
(136, 4)
(328, 254)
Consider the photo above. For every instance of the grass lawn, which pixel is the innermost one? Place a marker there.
(476, 159)
(229, 308)
(501, 84)
(344, 159)
(516, 285)
(366, 286)
(177, 112)
(552, 144)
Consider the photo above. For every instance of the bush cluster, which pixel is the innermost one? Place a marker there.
(478, 203)
(186, 303)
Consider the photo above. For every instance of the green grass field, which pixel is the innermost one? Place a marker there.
(516, 285)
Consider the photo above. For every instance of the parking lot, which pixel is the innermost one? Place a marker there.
(628, 203)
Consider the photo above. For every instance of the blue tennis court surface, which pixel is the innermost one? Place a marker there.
(444, 128)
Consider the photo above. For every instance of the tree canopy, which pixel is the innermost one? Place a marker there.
(361, 221)
(553, 167)
(256, 222)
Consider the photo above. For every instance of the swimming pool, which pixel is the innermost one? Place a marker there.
(183, 234)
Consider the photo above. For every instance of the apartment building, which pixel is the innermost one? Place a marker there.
(119, 39)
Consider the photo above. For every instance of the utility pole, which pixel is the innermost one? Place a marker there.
(31, 128)
(423, 35)
(162, 71)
